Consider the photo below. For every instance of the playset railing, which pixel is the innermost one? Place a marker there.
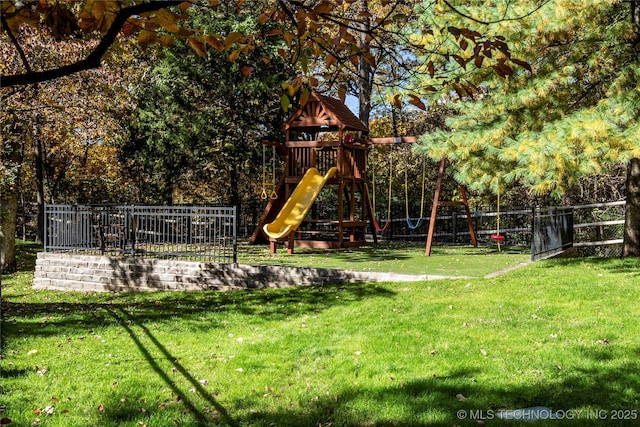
(323, 155)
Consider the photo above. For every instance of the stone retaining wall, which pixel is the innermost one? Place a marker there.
(61, 271)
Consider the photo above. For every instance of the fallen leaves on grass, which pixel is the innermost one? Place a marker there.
(49, 410)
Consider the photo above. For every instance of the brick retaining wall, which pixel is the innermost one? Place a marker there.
(61, 271)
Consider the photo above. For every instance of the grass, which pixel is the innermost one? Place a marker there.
(398, 258)
(558, 333)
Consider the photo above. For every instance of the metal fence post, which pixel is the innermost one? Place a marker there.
(454, 225)
(235, 235)
(45, 234)
(533, 233)
(132, 229)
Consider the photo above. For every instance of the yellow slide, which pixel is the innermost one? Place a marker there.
(297, 206)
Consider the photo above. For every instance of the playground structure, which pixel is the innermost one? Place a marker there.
(326, 147)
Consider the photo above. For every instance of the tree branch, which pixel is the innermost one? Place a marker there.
(94, 58)
(13, 39)
(503, 19)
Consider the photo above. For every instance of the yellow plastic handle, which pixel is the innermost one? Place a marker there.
(274, 195)
(263, 194)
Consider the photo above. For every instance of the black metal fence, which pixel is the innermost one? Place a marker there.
(552, 232)
(452, 227)
(192, 232)
(597, 228)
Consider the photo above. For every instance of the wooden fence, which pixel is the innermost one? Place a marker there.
(599, 229)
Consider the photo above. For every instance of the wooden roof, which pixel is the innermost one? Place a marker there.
(324, 113)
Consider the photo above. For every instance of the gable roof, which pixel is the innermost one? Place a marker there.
(326, 113)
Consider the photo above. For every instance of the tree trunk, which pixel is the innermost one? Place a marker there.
(10, 157)
(39, 165)
(631, 246)
(8, 215)
(365, 78)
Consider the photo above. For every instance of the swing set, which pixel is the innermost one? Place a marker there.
(324, 151)
(410, 224)
(498, 237)
(437, 202)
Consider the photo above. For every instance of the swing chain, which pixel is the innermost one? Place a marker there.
(406, 194)
(376, 225)
(264, 194)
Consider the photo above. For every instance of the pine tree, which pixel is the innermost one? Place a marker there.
(575, 113)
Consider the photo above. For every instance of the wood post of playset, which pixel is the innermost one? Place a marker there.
(437, 203)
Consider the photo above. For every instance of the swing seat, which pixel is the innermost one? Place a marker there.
(413, 226)
(498, 237)
(381, 229)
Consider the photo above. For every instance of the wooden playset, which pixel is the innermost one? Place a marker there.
(324, 139)
(325, 153)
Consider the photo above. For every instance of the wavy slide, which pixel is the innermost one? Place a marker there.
(296, 207)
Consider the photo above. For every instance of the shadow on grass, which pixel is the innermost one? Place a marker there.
(128, 322)
(433, 402)
(78, 312)
(26, 253)
(385, 253)
(73, 312)
(628, 265)
(13, 373)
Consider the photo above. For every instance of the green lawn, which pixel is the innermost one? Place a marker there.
(397, 258)
(559, 333)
